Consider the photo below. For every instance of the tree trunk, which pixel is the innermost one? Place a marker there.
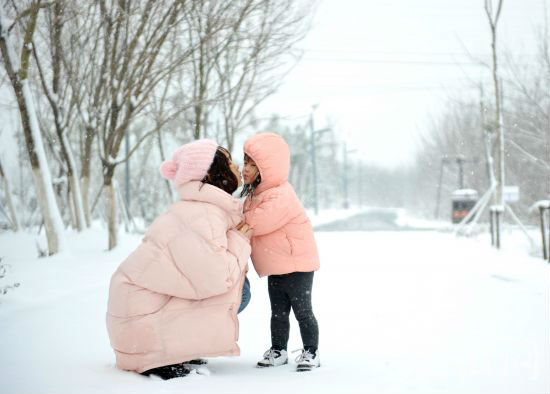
(77, 202)
(76, 194)
(111, 205)
(111, 215)
(70, 207)
(66, 151)
(33, 139)
(486, 143)
(493, 22)
(198, 118)
(13, 214)
(85, 202)
(86, 157)
(162, 158)
(52, 235)
(42, 176)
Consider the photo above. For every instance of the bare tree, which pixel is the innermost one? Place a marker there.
(133, 35)
(453, 134)
(59, 97)
(86, 67)
(493, 18)
(111, 74)
(208, 24)
(262, 40)
(18, 71)
(243, 50)
(529, 122)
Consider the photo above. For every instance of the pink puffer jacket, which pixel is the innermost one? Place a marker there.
(282, 240)
(175, 298)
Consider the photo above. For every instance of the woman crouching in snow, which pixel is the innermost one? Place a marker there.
(176, 297)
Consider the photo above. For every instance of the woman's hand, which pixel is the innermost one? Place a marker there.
(244, 229)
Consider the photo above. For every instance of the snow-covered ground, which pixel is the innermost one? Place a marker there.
(399, 312)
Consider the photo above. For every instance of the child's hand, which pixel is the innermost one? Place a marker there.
(245, 229)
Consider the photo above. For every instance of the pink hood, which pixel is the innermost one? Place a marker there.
(283, 240)
(175, 298)
(271, 154)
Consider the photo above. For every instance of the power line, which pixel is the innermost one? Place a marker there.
(389, 88)
(399, 53)
(384, 61)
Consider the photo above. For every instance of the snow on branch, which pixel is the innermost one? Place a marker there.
(541, 204)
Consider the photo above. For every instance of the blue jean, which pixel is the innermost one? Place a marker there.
(246, 295)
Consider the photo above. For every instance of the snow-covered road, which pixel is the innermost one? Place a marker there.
(399, 312)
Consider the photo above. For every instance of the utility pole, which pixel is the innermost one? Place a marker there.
(460, 162)
(345, 176)
(313, 161)
(360, 183)
(439, 184)
(312, 139)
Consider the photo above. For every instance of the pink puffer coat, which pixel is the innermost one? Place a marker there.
(282, 239)
(175, 298)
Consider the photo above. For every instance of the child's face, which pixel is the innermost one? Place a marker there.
(250, 171)
(234, 169)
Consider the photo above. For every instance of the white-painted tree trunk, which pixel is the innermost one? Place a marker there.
(112, 215)
(85, 203)
(75, 189)
(70, 209)
(13, 213)
(55, 231)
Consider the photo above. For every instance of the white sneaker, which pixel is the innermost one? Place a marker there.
(307, 361)
(273, 358)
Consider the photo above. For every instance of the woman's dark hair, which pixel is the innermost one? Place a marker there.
(248, 189)
(220, 174)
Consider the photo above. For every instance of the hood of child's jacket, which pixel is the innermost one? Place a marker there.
(271, 154)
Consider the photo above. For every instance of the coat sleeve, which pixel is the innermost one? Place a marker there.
(195, 267)
(271, 214)
(239, 246)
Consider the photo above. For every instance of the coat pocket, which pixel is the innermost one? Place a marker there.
(279, 242)
(290, 244)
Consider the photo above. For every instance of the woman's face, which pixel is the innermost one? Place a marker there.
(250, 170)
(234, 169)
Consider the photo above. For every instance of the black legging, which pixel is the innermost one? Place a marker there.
(292, 290)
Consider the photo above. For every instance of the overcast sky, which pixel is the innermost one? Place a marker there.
(379, 69)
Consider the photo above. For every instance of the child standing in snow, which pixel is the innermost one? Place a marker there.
(283, 247)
